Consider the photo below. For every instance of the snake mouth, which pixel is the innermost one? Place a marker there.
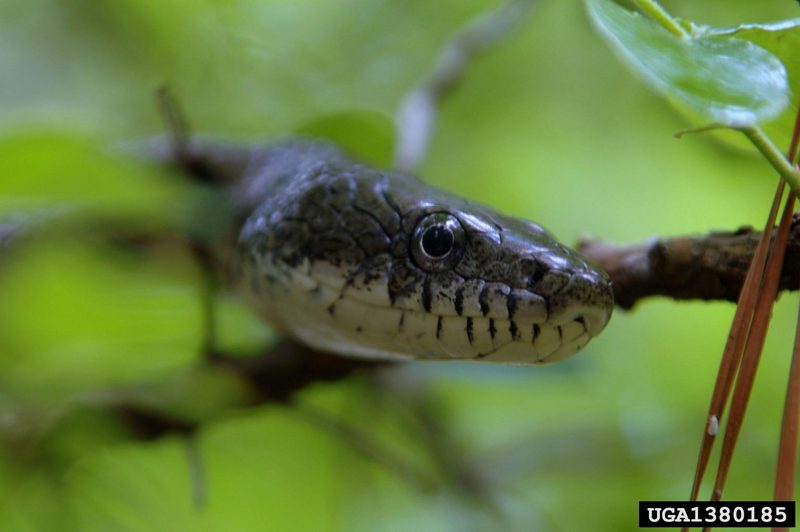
(577, 312)
(593, 318)
(436, 337)
(508, 326)
(551, 342)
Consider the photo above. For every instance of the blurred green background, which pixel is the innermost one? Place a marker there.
(548, 126)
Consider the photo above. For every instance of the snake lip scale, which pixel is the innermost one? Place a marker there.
(362, 262)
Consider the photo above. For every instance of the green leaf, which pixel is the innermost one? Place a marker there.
(728, 81)
(42, 170)
(782, 39)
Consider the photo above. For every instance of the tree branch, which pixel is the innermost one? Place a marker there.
(707, 267)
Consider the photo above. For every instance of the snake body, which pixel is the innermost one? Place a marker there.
(362, 262)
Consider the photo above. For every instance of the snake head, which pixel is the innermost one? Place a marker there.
(365, 263)
(503, 289)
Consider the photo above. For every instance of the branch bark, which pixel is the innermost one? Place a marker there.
(710, 266)
(707, 267)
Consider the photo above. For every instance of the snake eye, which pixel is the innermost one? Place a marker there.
(438, 242)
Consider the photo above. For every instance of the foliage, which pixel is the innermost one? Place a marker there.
(549, 126)
(728, 81)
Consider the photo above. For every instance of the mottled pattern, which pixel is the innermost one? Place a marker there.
(326, 255)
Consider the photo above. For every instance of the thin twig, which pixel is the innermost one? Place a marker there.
(656, 12)
(196, 471)
(787, 448)
(762, 142)
(209, 287)
(416, 118)
(731, 356)
(754, 346)
(757, 332)
(747, 335)
(175, 122)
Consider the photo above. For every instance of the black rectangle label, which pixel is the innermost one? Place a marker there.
(732, 514)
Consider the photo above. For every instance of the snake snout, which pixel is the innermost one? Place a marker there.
(587, 298)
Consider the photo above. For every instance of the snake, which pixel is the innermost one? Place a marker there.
(362, 262)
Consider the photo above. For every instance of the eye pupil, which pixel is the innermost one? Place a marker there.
(437, 241)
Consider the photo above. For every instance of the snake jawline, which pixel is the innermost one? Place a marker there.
(326, 318)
